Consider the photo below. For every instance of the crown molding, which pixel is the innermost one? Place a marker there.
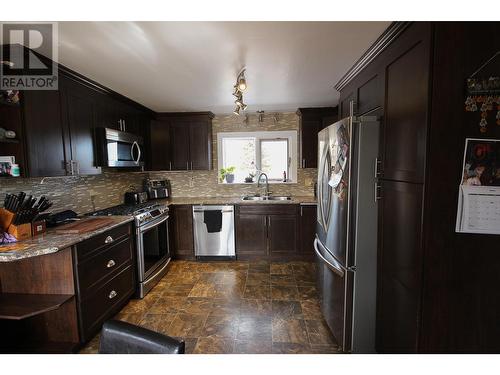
(383, 41)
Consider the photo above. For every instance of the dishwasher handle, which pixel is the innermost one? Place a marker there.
(223, 209)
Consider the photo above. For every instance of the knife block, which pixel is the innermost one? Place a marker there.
(6, 218)
(21, 232)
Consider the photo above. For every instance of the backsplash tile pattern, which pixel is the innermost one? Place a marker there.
(81, 194)
(87, 193)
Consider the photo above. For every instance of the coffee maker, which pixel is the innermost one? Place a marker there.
(157, 188)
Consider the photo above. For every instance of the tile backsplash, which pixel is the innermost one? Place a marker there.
(87, 193)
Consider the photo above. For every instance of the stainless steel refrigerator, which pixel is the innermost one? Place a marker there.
(346, 234)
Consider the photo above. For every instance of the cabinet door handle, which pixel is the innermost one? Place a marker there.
(170, 165)
(378, 192)
(124, 125)
(378, 164)
(120, 124)
(191, 165)
(301, 211)
(112, 294)
(303, 163)
(108, 239)
(111, 263)
(187, 166)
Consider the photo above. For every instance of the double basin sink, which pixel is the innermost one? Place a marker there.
(266, 198)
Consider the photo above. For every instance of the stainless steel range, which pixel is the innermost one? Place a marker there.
(151, 229)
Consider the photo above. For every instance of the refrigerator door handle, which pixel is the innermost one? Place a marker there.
(334, 267)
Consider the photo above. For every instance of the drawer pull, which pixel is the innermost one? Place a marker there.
(112, 294)
(111, 263)
(108, 239)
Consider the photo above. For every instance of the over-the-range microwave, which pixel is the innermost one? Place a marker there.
(116, 148)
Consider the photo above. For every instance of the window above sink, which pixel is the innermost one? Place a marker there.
(271, 152)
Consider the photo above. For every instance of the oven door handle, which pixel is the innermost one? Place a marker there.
(334, 267)
(153, 224)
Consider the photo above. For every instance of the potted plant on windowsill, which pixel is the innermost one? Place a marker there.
(228, 174)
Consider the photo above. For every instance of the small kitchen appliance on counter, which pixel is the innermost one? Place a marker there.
(136, 197)
(157, 188)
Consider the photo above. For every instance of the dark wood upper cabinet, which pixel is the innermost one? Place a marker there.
(44, 133)
(311, 121)
(106, 112)
(56, 128)
(188, 142)
(79, 113)
(179, 145)
(200, 144)
(159, 153)
(370, 95)
(182, 231)
(308, 218)
(405, 125)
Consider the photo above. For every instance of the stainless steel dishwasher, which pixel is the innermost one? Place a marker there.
(214, 231)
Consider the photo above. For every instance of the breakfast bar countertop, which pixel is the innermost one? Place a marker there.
(51, 241)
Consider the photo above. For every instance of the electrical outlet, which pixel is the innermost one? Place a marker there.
(308, 181)
(191, 181)
(92, 193)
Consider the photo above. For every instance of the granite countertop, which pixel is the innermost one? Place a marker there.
(236, 200)
(51, 242)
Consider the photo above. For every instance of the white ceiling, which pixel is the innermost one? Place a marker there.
(192, 66)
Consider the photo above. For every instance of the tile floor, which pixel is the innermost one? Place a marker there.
(235, 307)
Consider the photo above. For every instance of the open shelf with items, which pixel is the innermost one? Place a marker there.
(11, 119)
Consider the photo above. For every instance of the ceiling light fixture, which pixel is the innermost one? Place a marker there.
(239, 87)
(242, 82)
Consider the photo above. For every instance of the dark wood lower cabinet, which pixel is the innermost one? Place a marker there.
(182, 241)
(251, 235)
(105, 275)
(399, 267)
(283, 234)
(269, 232)
(308, 218)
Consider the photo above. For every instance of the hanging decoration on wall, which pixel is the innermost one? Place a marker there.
(483, 95)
